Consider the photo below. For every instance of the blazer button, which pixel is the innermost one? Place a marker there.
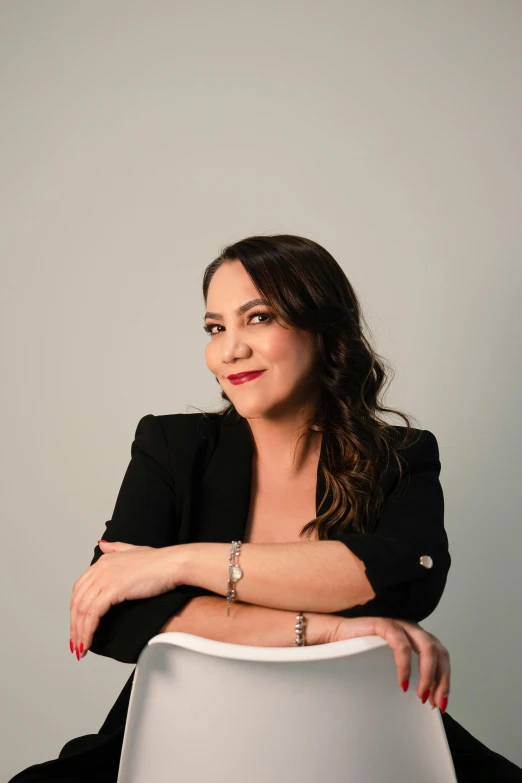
(426, 561)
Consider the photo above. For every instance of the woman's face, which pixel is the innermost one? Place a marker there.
(242, 342)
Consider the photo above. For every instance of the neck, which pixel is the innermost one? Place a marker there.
(277, 446)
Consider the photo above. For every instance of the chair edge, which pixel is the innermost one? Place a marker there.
(244, 652)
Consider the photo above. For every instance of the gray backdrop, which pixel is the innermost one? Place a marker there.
(137, 138)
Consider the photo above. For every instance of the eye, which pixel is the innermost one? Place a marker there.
(268, 316)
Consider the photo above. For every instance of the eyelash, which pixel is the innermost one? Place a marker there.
(269, 317)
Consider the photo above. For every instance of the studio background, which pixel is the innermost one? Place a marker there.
(137, 139)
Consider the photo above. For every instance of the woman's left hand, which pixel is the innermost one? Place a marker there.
(403, 637)
(124, 572)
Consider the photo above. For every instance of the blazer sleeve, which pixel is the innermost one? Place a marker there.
(144, 514)
(406, 555)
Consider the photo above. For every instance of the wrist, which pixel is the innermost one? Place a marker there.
(181, 559)
(319, 627)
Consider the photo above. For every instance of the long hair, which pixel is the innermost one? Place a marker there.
(307, 289)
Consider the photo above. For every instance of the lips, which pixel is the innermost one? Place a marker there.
(241, 377)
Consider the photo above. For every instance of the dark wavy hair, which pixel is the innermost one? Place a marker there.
(307, 289)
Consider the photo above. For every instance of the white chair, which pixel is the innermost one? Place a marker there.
(214, 712)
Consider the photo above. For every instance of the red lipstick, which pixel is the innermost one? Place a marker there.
(243, 377)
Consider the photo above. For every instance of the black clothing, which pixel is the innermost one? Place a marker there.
(189, 479)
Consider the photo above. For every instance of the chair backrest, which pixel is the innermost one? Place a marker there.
(208, 712)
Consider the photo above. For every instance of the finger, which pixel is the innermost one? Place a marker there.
(398, 640)
(441, 686)
(81, 587)
(94, 605)
(115, 546)
(108, 546)
(81, 579)
(434, 687)
(83, 605)
(426, 646)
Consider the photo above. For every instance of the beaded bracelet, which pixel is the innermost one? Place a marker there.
(300, 640)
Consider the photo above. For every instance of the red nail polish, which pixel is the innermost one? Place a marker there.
(71, 645)
(81, 648)
(77, 653)
(104, 541)
(405, 685)
(444, 704)
(425, 696)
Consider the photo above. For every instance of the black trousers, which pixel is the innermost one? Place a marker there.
(94, 758)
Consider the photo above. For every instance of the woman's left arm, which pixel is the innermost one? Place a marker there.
(397, 570)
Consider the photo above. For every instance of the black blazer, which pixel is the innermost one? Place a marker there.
(189, 480)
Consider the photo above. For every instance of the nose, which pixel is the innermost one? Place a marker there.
(234, 347)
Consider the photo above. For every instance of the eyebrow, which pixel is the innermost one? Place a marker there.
(239, 311)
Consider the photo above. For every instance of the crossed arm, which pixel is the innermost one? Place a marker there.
(313, 576)
(316, 577)
(320, 577)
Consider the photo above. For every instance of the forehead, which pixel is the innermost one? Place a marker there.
(231, 288)
(231, 279)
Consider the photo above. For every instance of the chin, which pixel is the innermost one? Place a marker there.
(250, 408)
(251, 411)
(260, 409)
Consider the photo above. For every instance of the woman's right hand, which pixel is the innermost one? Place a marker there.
(403, 636)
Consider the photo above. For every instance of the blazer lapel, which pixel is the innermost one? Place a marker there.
(226, 484)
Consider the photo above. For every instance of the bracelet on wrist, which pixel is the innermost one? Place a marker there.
(300, 631)
(235, 572)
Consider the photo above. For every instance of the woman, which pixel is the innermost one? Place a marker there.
(340, 515)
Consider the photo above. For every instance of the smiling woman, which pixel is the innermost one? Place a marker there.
(339, 515)
(255, 334)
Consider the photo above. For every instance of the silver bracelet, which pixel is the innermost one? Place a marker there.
(235, 572)
(300, 639)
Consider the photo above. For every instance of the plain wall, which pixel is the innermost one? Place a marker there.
(137, 139)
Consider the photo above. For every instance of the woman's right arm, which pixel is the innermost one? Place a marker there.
(263, 626)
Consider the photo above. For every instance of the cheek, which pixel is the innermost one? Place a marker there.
(209, 356)
(289, 350)
(278, 348)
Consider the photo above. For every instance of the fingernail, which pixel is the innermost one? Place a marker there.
(405, 685)
(102, 539)
(71, 645)
(77, 653)
(81, 648)
(444, 704)
(425, 696)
